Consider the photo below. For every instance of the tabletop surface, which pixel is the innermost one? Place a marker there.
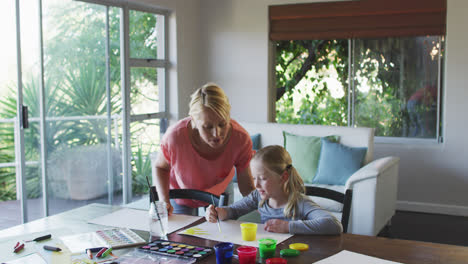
(403, 251)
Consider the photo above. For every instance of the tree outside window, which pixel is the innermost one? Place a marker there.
(390, 84)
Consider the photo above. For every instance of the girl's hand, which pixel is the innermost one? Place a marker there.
(277, 226)
(211, 214)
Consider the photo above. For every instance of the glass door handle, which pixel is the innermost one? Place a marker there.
(25, 120)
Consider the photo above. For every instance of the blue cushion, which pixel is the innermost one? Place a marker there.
(255, 141)
(255, 146)
(337, 163)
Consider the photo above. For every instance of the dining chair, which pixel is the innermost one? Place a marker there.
(344, 198)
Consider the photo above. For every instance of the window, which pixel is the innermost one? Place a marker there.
(390, 84)
(93, 80)
(361, 63)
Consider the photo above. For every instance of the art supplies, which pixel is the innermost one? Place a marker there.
(141, 257)
(138, 220)
(177, 250)
(111, 238)
(231, 233)
(37, 239)
(51, 248)
(18, 247)
(217, 217)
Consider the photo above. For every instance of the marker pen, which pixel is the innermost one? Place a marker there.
(50, 248)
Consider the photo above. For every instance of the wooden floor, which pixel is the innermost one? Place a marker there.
(434, 228)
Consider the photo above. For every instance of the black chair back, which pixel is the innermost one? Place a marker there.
(194, 195)
(345, 199)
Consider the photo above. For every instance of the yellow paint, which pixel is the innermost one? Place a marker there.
(195, 231)
(61, 257)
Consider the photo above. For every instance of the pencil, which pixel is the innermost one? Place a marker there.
(217, 218)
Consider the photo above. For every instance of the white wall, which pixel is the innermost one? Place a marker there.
(234, 51)
(184, 52)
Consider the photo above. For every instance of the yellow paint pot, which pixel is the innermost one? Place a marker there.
(249, 231)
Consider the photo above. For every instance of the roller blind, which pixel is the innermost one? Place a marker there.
(358, 19)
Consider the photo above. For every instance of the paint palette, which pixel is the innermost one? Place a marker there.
(120, 238)
(177, 250)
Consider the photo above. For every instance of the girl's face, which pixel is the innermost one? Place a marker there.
(213, 129)
(267, 183)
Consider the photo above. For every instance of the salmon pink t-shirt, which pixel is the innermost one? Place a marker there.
(189, 170)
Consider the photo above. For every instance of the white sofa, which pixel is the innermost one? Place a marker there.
(374, 185)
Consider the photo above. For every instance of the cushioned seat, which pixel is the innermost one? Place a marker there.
(374, 184)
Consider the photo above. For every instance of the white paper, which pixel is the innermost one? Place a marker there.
(138, 220)
(352, 257)
(231, 232)
(30, 259)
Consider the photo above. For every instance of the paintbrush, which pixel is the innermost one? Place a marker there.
(217, 218)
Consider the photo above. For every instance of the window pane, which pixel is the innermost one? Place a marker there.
(146, 35)
(145, 140)
(8, 95)
(396, 82)
(144, 95)
(81, 170)
(312, 87)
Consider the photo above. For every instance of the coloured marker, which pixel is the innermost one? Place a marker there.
(99, 254)
(51, 248)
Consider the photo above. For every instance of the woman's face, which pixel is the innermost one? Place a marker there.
(212, 128)
(267, 183)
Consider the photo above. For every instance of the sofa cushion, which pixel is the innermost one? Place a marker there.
(255, 146)
(305, 153)
(337, 163)
(255, 141)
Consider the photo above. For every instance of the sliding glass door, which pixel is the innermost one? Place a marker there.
(79, 110)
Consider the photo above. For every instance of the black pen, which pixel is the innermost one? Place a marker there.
(50, 248)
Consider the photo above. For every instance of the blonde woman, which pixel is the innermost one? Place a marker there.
(201, 151)
(279, 198)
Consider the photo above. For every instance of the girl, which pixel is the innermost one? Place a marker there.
(279, 198)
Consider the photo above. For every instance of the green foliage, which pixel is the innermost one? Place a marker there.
(141, 165)
(308, 73)
(301, 69)
(75, 85)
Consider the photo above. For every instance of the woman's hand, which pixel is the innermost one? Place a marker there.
(169, 207)
(277, 226)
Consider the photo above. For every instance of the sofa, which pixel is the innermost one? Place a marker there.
(374, 184)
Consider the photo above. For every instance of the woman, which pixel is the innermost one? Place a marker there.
(201, 151)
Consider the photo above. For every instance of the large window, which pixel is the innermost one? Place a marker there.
(361, 63)
(93, 80)
(390, 84)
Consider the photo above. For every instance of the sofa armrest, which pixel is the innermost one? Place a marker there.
(374, 196)
(371, 170)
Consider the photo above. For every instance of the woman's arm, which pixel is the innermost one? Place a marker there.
(161, 180)
(245, 181)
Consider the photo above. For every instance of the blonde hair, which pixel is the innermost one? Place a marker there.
(277, 159)
(213, 97)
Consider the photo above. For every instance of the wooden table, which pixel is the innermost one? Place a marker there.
(404, 251)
